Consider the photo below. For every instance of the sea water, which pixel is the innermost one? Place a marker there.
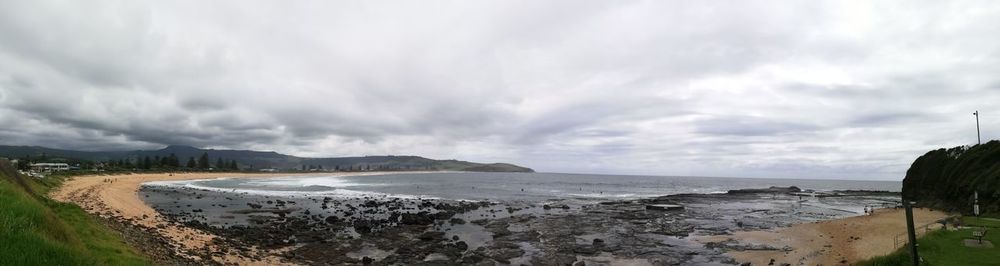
(510, 186)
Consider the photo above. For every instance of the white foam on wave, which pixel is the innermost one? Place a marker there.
(286, 182)
(298, 181)
(605, 195)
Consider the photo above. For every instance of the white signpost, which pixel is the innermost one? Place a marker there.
(975, 205)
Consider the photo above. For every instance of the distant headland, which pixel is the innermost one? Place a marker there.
(186, 157)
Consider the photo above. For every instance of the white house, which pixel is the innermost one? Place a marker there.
(48, 167)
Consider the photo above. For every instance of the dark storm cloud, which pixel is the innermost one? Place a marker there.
(748, 88)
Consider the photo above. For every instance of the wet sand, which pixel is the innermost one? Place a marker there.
(116, 197)
(832, 242)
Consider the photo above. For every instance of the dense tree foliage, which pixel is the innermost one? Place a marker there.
(947, 178)
(203, 161)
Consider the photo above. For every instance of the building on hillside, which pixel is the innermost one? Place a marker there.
(49, 167)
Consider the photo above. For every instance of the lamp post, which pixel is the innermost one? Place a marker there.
(979, 139)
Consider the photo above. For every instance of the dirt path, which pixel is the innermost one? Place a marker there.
(116, 197)
(833, 242)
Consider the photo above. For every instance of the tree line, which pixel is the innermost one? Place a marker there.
(203, 162)
(948, 179)
(365, 167)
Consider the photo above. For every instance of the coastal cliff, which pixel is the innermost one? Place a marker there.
(947, 178)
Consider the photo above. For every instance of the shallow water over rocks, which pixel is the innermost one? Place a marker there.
(380, 230)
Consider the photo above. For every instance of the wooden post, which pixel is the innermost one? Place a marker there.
(911, 232)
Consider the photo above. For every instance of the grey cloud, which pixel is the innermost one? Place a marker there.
(752, 88)
(750, 126)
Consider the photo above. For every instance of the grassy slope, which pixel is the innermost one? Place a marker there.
(35, 230)
(946, 248)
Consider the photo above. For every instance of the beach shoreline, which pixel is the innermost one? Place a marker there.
(784, 233)
(843, 241)
(115, 198)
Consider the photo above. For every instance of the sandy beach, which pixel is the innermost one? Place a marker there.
(832, 242)
(115, 197)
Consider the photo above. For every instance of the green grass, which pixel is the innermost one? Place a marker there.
(987, 222)
(37, 231)
(946, 248)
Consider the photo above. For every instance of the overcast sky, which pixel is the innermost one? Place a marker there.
(806, 89)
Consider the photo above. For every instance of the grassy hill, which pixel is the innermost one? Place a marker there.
(262, 159)
(35, 230)
(946, 178)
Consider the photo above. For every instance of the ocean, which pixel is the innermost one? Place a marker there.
(510, 186)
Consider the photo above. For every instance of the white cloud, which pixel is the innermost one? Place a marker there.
(796, 89)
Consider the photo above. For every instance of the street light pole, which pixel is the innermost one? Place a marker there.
(979, 139)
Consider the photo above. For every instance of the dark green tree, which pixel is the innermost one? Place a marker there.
(191, 163)
(146, 163)
(173, 161)
(24, 163)
(220, 164)
(203, 161)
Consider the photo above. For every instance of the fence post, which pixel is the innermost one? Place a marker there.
(911, 232)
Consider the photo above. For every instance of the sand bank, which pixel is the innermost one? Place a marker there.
(833, 242)
(116, 197)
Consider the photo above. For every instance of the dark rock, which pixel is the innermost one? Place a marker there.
(461, 245)
(428, 236)
(586, 250)
(420, 218)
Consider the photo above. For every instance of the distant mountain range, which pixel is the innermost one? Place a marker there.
(262, 159)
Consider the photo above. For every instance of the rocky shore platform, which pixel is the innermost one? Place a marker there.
(380, 230)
